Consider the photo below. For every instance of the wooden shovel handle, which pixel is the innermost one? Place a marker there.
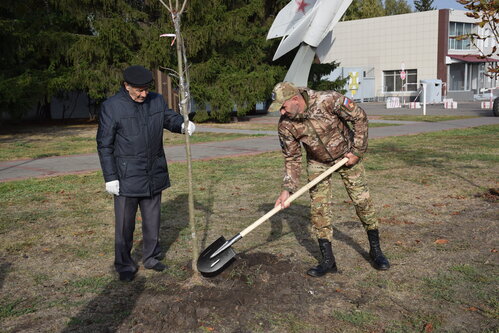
(294, 196)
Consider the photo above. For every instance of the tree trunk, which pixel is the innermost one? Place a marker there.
(184, 110)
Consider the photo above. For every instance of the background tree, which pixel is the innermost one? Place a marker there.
(316, 82)
(353, 12)
(397, 7)
(119, 33)
(361, 9)
(34, 38)
(231, 58)
(423, 5)
(50, 47)
(372, 8)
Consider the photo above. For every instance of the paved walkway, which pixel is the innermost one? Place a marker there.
(51, 166)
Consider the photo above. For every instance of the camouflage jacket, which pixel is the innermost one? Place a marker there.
(325, 125)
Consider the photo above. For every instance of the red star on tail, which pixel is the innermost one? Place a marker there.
(301, 5)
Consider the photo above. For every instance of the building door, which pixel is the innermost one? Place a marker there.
(457, 77)
(360, 87)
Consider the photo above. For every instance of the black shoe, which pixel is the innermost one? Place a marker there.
(158, 267)
(127, 276)
(328, 264)
(379, 260)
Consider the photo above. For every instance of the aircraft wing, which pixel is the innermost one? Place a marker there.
(295, 38)
(324, 48)
(289, 17)
(311, 28)
(327, 17)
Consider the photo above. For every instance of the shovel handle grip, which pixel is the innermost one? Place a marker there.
(294, 196)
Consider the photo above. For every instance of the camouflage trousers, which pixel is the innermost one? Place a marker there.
(321, 198)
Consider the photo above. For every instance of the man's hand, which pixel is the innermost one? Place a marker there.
(113, 187)
(282, 198)
(352, 159)
(190, 128)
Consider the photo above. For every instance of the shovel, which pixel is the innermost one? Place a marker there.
(219, 253)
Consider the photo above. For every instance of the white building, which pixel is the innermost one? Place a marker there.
(374, 52)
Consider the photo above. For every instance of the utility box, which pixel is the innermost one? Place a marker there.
(433, 91)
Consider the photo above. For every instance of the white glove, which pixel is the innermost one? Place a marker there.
(190, 128)
(113, 187)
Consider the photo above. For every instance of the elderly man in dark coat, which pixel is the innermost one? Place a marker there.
(130, 146)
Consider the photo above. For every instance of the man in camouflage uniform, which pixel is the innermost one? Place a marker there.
(319, 120)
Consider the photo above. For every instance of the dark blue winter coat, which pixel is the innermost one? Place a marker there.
(130, 142)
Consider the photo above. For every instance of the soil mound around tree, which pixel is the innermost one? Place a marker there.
(258, 281)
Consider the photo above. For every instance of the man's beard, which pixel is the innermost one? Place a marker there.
(298, 116)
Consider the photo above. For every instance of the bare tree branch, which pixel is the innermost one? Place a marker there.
(166, 6)
(183, 7)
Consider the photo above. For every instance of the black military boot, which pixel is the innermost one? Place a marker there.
(328, 264)
(379, 260)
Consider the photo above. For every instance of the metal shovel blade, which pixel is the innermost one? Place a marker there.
(208, 265)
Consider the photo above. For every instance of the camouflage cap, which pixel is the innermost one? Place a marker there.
(281, 93)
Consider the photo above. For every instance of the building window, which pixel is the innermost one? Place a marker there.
(458, 29)
(392, 82)
(469, 77)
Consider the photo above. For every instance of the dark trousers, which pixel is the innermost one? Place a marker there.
(125, 210)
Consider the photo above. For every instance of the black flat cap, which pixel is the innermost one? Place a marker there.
(137, 76)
